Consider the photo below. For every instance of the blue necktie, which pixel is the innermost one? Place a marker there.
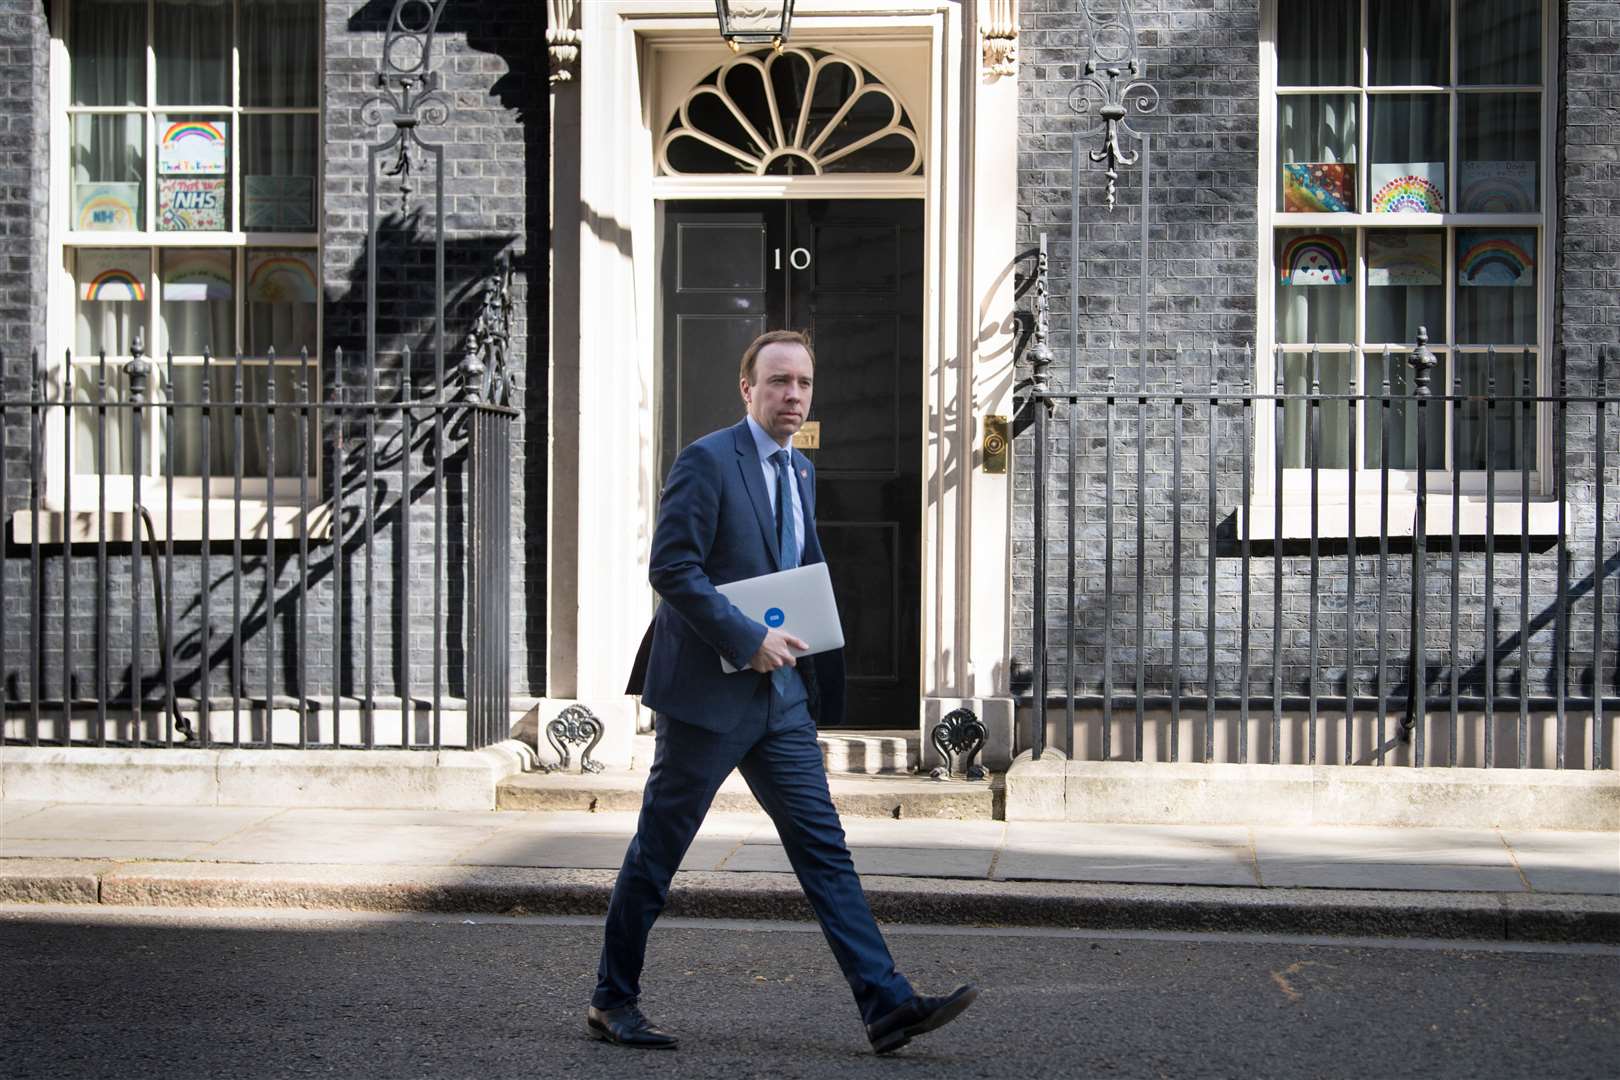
(787, 544)
(787, 535)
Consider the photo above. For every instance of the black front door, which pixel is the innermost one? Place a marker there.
(849, 273)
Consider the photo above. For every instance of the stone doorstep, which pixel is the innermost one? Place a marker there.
(1148, 793)
(869, 753)
(853, 794)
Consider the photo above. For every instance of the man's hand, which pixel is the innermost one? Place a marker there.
(775, 651)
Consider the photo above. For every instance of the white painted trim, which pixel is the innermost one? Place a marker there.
(64, 242)
(967, 314)
(1269, 219)
(834, 186)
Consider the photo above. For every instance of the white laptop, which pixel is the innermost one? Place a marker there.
(798, 601)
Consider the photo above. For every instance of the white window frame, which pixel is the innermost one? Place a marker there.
(1333, 493)
(61, 305)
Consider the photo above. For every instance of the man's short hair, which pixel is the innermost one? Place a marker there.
(772, 337)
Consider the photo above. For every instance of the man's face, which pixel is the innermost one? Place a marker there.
(779, 397)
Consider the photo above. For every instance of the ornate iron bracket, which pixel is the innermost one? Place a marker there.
(575, 724)
(1040, 349)
(1112, 77)
(960, 734)
(410, 87)
(484, 370)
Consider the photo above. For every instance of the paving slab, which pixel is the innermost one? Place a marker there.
(15, 810)
(1573, 862)
(894, 861)
(538, 849)
(621, 824)
(1437, 847)
(1212, 866)
(1428, 877)
(930, 834)
(94, 848)
(316, 817)
(1047, 835)
(279, 841)
(129, 823)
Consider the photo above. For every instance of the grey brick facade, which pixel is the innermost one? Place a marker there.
(493, 135)
(1203, 59)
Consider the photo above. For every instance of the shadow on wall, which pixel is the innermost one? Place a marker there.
(514, 32)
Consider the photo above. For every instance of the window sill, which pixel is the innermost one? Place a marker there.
(187, 525)
(1333, 517)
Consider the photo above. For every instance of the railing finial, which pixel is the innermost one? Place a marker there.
(1422, 361)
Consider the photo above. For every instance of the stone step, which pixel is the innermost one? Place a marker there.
(854, 795)
(870, 752)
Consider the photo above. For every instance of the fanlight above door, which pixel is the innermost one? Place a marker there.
(798, 112)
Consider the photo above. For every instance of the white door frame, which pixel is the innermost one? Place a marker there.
(603, 434)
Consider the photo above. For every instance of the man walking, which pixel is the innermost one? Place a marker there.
(740, 503)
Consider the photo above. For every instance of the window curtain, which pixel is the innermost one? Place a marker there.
(222, 445)
(120, 446)
(1316, 43)
(108, 45)
(192, 47)
(281, 53)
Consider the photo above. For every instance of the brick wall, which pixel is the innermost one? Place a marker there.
(492, 134)
(1203, 59)
(24, 154)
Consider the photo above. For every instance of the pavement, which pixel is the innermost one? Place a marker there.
(1487, 884)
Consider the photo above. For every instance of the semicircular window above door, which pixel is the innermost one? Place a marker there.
(798, 112)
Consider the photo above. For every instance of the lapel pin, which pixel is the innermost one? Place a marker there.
(804, 474)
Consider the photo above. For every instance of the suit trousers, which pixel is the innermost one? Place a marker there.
(776, 751)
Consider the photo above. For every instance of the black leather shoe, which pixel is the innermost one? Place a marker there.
(628, 1027)
(919, 1015)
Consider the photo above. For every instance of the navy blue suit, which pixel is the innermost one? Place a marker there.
(716, 524)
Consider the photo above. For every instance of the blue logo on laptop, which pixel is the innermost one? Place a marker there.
(774, 617)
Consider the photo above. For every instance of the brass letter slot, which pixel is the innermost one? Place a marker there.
(808, 437)
(995, 447)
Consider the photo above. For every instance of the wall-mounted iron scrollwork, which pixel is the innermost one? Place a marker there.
(484, 369)
(410, 89)
(960, 734)
(1040, 347)
(575, 725)
(1112, 77)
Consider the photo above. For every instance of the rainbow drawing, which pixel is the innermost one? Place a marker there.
(1414, 187)
(106, 207)
(1319, 188)
(1405, 258)
(1315, 259)
(282, 278)
(1497, 187)
(114, 284)
(193, 146)
(1496, 259)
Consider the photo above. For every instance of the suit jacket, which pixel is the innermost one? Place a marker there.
(716, 524)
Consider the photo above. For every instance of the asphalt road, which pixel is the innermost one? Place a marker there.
(175, 994)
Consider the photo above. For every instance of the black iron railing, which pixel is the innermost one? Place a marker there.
(1383, 641)
(281, 604)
